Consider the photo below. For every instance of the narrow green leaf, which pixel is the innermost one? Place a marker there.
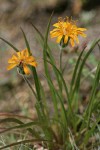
(49, 53)
(46, 68)
(11, 120)
(75, 70)
(77, 83)
(9, 44)
(38, 31)
(14, 115)
(36, 80)
(23, 126)
(14, 120)
(23, 142)
(93, 93)
(74, 96)
(64, 83)
(26, 42)
(87, 113)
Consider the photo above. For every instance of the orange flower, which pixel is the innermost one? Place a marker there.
(66, 30)
(21, 60)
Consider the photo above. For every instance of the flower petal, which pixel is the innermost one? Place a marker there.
(26, 69)
(55, 34)
(82, 34)
(59, 39)
(76, 38)
(34, 64)
(56, 24)
(31, 61)
(30, 58)
(72, 42)
(65, 39)
(11, 66)
(82, 29)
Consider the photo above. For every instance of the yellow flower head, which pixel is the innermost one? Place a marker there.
(66, 30)
(21, 60)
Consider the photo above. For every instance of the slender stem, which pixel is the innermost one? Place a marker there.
(30, 86)
(60, 65)
(64, 67)
(60, 60)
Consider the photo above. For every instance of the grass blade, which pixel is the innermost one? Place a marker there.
(23, 142)
(9, 44)
(14, 115)
(75, 70)
(77, 83)
(23, 126)
(93, 93)
(49, 53)
(26, 42)
(11, 120)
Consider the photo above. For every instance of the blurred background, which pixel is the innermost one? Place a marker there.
(15, 96)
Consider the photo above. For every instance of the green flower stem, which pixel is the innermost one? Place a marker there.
(60, 65)
(30, 86)
(39, 105)
(60, 60)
